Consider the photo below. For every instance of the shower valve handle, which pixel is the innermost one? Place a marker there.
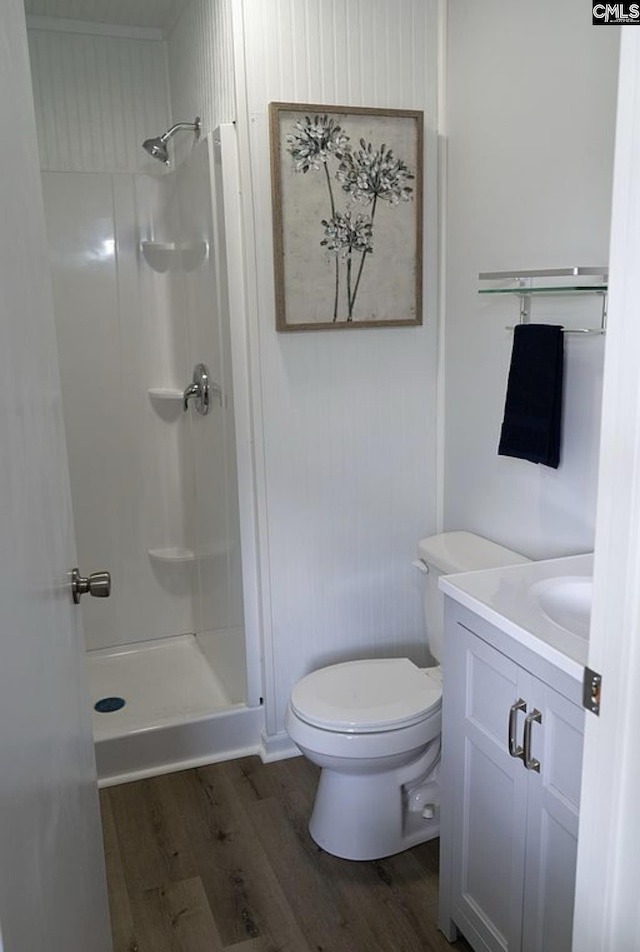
(97, 584)
(200, 389)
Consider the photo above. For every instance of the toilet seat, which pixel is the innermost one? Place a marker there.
(362, 697)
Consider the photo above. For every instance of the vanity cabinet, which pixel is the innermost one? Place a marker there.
(512, 761)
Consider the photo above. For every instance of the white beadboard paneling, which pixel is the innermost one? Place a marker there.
(351, 52)
(529, 185)
(97, 98)
(349, 419)
(145, 13)
(86, 28)
(201, 63)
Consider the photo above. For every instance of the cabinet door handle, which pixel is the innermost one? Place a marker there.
(514, 749)
(530, 762)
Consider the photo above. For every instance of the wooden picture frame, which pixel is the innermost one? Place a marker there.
(347, 216)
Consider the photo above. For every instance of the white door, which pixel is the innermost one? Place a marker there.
(607, 915)
(52, 882)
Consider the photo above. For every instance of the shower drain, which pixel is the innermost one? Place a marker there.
(107, 705)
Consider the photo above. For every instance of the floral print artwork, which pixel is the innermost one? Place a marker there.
(348, 189)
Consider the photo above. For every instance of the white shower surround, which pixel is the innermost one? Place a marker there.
(133, 331)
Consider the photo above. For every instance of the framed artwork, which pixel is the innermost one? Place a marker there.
(347, 216)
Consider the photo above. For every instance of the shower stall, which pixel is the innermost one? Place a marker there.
(141, 299)
(141, 267)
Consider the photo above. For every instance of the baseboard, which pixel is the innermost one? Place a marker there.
(277, 747)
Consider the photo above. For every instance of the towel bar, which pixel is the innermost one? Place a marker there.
(589, 331)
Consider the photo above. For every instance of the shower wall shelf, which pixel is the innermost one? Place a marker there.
(179, 555)
(165, 256)
(174, 555)
(575, 281)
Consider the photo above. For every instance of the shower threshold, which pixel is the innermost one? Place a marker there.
(176, 712)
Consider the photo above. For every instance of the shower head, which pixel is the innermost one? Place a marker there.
(158, 147)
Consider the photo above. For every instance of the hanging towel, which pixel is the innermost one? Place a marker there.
(533, 407)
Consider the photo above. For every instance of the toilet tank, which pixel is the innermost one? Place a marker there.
(446, 554)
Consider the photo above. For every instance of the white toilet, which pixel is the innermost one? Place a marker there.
(374, 727)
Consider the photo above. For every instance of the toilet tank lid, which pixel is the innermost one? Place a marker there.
(465, 552)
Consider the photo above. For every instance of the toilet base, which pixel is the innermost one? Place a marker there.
(369, 816)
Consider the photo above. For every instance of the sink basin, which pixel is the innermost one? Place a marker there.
(566, 601)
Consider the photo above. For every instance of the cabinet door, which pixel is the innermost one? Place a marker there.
(552, 822)
(489, 791)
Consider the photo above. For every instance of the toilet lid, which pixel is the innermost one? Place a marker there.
(366, 696)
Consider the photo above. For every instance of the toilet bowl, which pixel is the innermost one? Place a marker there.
(373, 726)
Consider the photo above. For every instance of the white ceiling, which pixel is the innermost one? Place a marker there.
(140, 13)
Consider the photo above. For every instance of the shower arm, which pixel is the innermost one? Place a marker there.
(192, 126)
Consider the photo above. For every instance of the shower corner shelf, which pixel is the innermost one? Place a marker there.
(521, 283)
(172, 555)
(164, 256)
(179, 555)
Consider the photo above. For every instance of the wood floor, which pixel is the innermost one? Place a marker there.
(219, 860)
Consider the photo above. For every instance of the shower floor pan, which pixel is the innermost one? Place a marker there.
(176, 714)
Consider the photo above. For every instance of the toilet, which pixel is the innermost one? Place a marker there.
(373, 726)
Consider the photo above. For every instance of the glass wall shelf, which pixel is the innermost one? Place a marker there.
(571, 281)
(565, 289)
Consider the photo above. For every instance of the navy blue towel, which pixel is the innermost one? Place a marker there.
(533, 407)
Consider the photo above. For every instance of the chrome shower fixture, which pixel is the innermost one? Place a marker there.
(158, 147)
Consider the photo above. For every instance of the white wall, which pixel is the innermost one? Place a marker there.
(97, 98)
(530, 119)
(346, 441)
(200, 55)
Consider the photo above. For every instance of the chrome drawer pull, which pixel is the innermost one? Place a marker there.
(514, 749)
(530, 762)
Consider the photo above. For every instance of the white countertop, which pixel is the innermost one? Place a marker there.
(503, 597)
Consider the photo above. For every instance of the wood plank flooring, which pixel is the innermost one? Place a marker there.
(219, 859)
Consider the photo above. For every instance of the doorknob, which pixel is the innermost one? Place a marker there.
(97, 584)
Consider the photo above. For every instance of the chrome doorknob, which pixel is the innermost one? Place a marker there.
(97, 584)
